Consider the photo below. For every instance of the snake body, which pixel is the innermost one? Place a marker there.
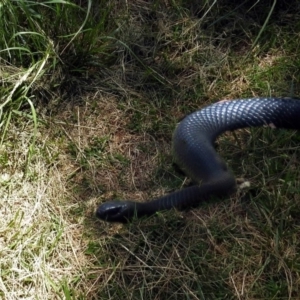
(194, 152)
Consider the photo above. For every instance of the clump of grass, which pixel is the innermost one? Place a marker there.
(43, 44)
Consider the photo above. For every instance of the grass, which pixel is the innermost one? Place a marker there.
(91, 92)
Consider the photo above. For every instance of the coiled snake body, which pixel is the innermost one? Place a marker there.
(194, 152)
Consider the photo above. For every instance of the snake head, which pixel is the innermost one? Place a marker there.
(116, 211)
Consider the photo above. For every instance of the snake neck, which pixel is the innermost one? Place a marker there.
(189, 197)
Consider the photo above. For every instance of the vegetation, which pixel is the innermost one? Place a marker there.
(91, 92)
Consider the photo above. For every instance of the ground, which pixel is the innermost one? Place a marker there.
(91, 94)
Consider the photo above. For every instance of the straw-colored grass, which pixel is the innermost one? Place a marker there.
(90, 95)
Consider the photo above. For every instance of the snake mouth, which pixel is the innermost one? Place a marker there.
(114, 211)
(104, 214)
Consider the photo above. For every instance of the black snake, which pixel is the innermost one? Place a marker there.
(194, 152)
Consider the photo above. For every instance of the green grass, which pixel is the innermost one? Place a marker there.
(91, 92)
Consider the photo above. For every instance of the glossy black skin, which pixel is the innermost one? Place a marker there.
(116, 211)
(194, 152)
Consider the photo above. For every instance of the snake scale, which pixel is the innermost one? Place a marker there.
(193, 148)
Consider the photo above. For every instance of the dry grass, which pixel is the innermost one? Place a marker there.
(110, 137)
(40, 247)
